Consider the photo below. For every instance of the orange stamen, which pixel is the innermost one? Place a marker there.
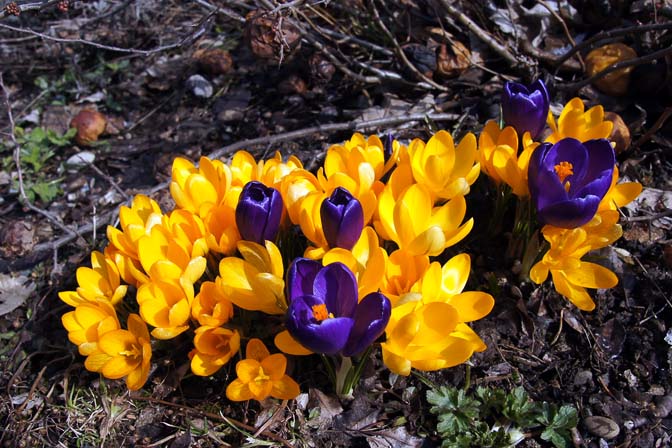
(564, 170)
(320, 312)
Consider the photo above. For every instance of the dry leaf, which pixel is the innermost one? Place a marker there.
(13, 292)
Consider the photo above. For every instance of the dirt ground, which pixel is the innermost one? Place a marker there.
(300, 76)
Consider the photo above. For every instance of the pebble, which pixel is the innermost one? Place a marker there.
(80, 159)
(602, 427)
(200, 86)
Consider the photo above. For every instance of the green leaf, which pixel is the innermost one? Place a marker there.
(550, 435)
(37, 135)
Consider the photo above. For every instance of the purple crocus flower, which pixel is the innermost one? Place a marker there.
(525, 108)
(568, 180)
(324, 314)
(258, 212)
(342, 219)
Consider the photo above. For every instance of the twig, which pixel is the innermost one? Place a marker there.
(656, 126)
(613, 67)
(221, 10)
(480, 33)
(17, 161)
(212, 415)
(649, 217)
(110, 181)
(611, 34)
(400, 52)
(342, 38)
(564, 27)
(194, 35)
(356, 125)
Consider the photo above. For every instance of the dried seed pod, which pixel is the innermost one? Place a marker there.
(12, 9)
(321, 70)
(452, 60)
(90, 124)
(615, 83)
(620, 134)
(271, 37)
(214, 61)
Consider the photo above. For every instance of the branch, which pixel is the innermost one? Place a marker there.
(194, 35)
(481, 34)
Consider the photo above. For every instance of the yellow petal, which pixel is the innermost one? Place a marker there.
(472, 305)
(274, 366)
(591, 275)
(285, 388)
(238, 391)
(287, 344)
(256, 350)
(575, 294)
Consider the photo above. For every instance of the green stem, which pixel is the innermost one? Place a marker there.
(467, 377)
(330, 368)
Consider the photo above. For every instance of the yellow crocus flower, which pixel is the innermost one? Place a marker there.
(255, 281)
(261, 375)
(571, 275)
(124, 353)
(576, 122)
(166, 306)
(419, 228)
(427, 329)
(444, 170)
(210, 306)
(88, 322)
(135, 221)
(99, 282)
(498, 154)
(199, 189)
(214, 347)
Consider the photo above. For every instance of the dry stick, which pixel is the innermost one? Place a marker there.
(400, 52)
(17, 161)
(564, 27)
(612, 68)
(199, 31)
(345, 38)
(221, 10)
(356, 125)
(611, 34)
(480, 33)
(221, 418)
(656, 126)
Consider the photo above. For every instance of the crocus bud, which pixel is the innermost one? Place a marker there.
(525, 108)
(568, 180)
(342, 219)
(258, 212)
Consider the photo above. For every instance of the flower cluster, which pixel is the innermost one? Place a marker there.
(329, 262)
(570, 178)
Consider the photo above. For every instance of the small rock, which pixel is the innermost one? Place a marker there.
(583, 378)
(602, 427)
(230, 115)
(200, 86)
(80, 159)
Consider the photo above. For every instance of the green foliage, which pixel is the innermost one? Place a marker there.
(495, 418)
(38, 146)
